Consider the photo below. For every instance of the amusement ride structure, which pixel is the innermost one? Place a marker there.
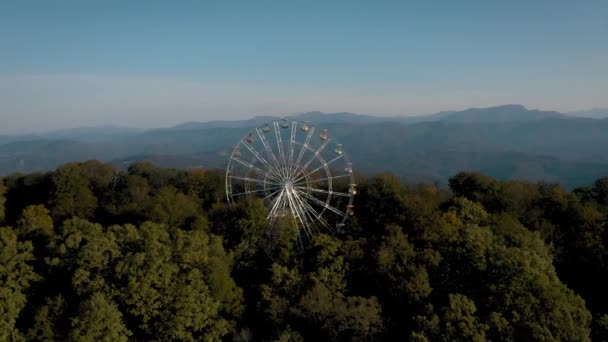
(299, 171)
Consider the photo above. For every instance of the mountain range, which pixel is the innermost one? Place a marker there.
(505, 142)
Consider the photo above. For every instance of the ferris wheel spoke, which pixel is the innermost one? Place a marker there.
(321, 203)
(253, 167)
(319, 217)
(255, 191)
(272, 194)
(315, 214)
(308, 216)
(277, 133)
(296, 211)
(270, 153)
(302, 207)
(260, 158)
(277, 166)
(303, 149)
(337, 193)
(321, 179)
(310, 212)
(292, 140)
(324, 165)
(276, 202)
(315, 156)
(254, 180)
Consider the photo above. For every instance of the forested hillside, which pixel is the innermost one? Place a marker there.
(504, 142)
(89, 252)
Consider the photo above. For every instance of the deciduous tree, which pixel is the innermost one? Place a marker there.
(16, 275)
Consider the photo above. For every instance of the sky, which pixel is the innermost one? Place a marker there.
(153, 64)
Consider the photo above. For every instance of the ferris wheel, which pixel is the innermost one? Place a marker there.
(299, 171)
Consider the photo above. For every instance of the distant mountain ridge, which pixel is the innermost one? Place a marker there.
(255, 121)
(595, 113)
(500, 114)
(507, 141)
(504, 113)
(88, 134)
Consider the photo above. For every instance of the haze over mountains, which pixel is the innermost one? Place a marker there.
(505, 142)
(595, 113)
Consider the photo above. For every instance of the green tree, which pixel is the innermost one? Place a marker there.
(460, 322)
(494, 260)
(317, 296)
(205, 254)
(525, 287)
(98, 319)
(35, 221)
(279, 296)
(129, 200)
(385, 196)
(467, 211)
(600, 191)
(176, 209)
(24, 190)
(175, 290)
(170, 283)
(207, 185)
(478, 188)
(340, 317)
(44, 327)
(289, 335)
(99, 175)
(83, 253)
(160, 177)
(405, 276)
(72, 195)
(456, 321)
(16, 274)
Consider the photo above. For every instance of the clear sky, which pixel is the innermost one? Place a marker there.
(150, 63)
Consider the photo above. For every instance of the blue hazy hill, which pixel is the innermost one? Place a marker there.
(505, 142)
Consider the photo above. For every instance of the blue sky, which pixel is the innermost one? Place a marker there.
(147, 64)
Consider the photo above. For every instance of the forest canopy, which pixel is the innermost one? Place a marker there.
(89, 252)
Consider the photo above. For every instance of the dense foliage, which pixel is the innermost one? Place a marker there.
(89, 253)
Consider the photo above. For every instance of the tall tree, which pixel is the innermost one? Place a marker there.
(98, 319)
(600, 190)
(174, 299)
(35, 221)
(16, 275)
(72, 195)
(176, 209)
